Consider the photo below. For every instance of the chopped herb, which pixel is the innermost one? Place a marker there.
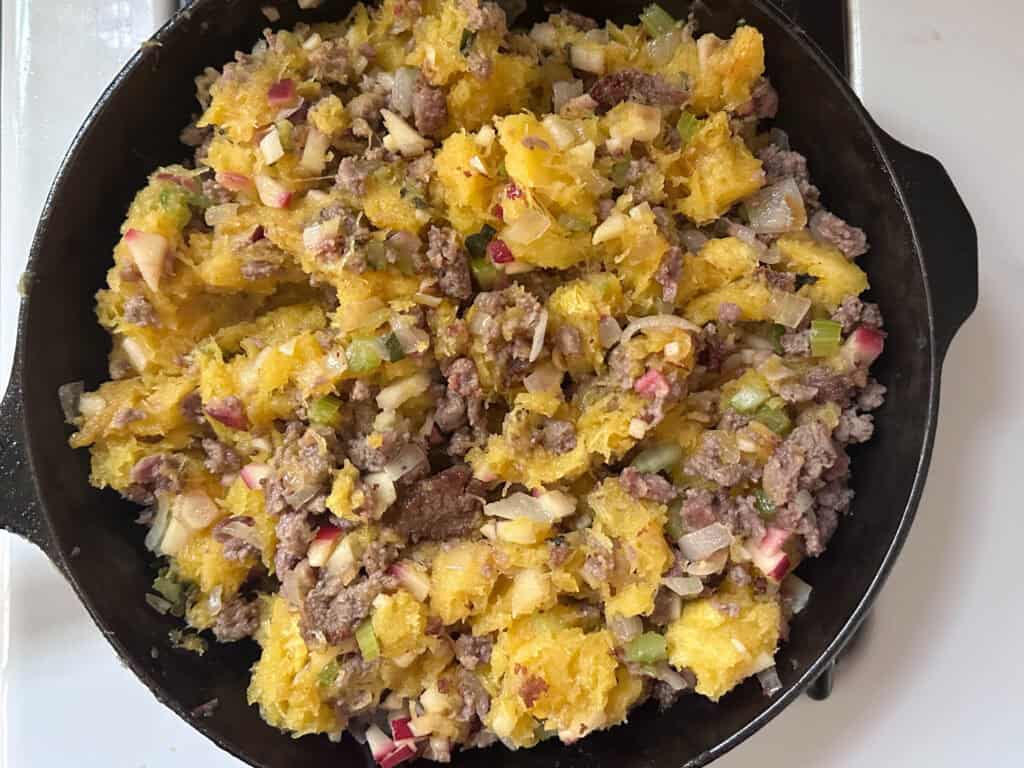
(328, 674)
(394, 348)
(775, 333)
(656, 20)
(325, 410)
(477, 244)
(825, 337)
(802, 280)
(765, 507)
(688, 126)
(466, 43)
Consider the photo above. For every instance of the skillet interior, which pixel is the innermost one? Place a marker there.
(135, 128)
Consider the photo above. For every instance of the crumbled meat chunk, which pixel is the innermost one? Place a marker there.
(330, 62)
(854, 427)
(447, 256)
(668, 274)
(159, 472)
(798, 462)
(473, 651)
(429, 108)
(444, 506)
(192, 407)
(729, 313)
(831, 229)
(238, 618)
(557, 436)
(369, 456)
(234, 547)
(505, 321)
(332, 611)
(780, 164)
(717, 461)
(451, 412)
(698, 509)
(872, 396)
(796, 343)
(138, 311)
(484, 15)
(378, 556)
(578, 20)
(294, 535)
(637, 86)
(353, 173)
(764, 101)
(220, 458)
(597, 567)
(853, 312)
(462, 377)
(300, 468)
(474, 702)
(783, 281)
(647, 485)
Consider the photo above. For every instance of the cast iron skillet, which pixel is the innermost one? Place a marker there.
(923, 269)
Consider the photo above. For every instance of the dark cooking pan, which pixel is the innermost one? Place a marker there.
(923, 269)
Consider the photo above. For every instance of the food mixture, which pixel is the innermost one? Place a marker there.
(494, 382)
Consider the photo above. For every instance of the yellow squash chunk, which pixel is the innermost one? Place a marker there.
(838, 277)
(461, 579)
(728, 71)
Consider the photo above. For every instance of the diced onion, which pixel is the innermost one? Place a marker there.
(637, 428)
(195, 509)
(546, 378)
(407, 459)
(90, 404)
(271, 147)
(392, 396)
(317, 235)
(527, 228)
(798, 591)
(314, 154)
(587, 58)
(789, 309)
(219, 214)
(770, 682)
(662, 671)
(138, 355)
(545, 35)
(561, 131)
(237, 528)
(403, 88)
(608, 331)
(547, 508)
(402, 137)
(565, 91)
(660, 322)
(612, 227)
(273, 193)
(701, 544)
(539, 331)
(776, 209)
(624, 629)
(427, 300)
(684, 586)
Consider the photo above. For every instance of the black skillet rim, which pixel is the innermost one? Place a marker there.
(880, 140)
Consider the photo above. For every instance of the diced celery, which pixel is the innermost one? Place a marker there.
(825, 337)
(749, 397)
(484, 272)
(367, 641)
(657, 457)
(477, 244)
(284, 132)
(775, 334)
(394, 348)
(776, 419)
(674, 524)
(362, 355)
(656, 20)
(649, 648)
(325, 410)
(687, 126)
(765, 507)
(619, 172)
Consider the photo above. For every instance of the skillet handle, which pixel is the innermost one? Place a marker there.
(946, 233)
(20, 511)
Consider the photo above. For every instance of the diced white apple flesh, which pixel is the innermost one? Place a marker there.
(254, 474)
(271, 147)
(314, 154)
(412, 578)
(402, 137)
(273, 193)
(149, 252)
(195, 509)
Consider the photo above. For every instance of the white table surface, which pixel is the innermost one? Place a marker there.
(937, 681)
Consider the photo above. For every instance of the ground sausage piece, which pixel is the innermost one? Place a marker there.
(220, 459)
(379, 556)
(634, 85)
(831, 229)
(444, 506)
(352, 175)
(333, 611)
(764, 101)
(473, 651)
(853, 312)
(192, 407)
(872, 396)
(429, 109)
(598, 567)
(329, 62)
(557, 436)
(711, 460)
(238, 618)
(729, 313)
(780, 164)
(233, 547)
(294, 535)
(647, 485)
(451, 412)
(462, 377)
(854, 427)
(698, 509)
(796, 343)
(801, 458)
(138, 311)
(449, 259)
(474, 701)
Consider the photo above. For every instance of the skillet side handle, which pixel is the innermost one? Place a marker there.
(20, 511)
(947, 236)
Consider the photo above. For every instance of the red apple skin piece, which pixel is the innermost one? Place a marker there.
(281, 93)
(864, 346)
(236, 182)
(229, 411)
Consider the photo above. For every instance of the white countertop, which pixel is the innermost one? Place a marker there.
(937, 681)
